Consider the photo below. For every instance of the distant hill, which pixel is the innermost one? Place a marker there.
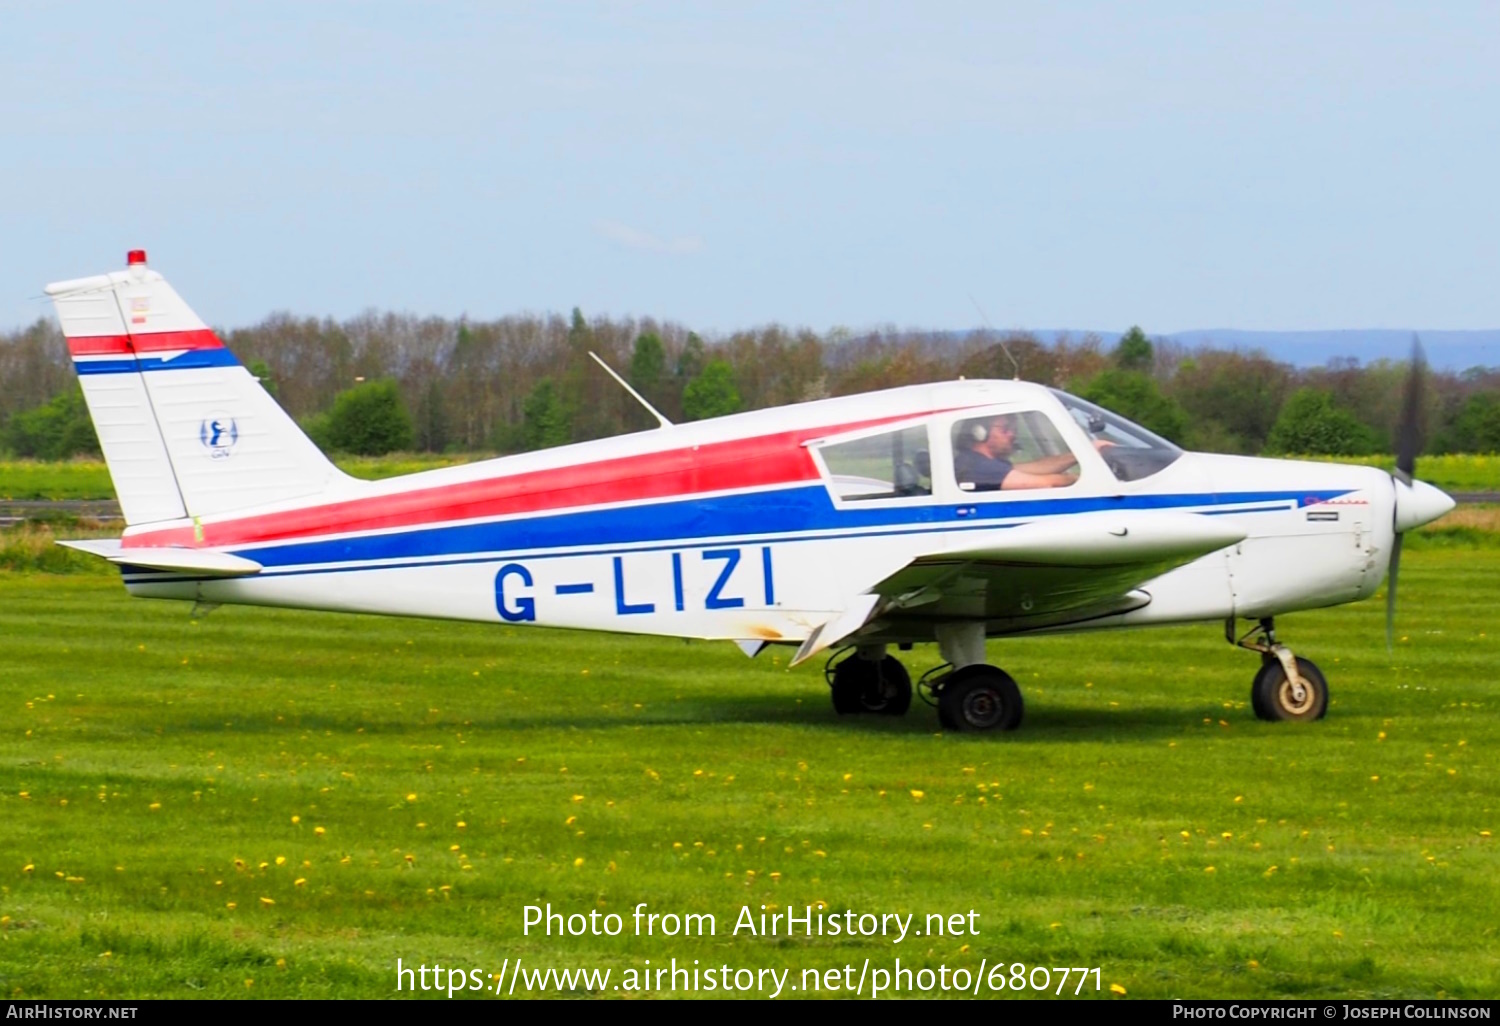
(1446, 350)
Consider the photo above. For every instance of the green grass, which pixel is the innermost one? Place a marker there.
(88, 479)
(142, 753)
(1452, 473)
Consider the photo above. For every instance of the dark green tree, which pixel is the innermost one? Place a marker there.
(1310, 424)
(648, 364)
(432, 419)
(711, 393)
(545, 420)
(57, 430)
(368, 419)
(1134, 351)
(690, 361)
(1135, 395)
(261, 371)
(1476, 426)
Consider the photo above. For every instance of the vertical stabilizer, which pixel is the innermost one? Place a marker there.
(194, 433)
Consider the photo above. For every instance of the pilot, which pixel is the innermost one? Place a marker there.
(982, 463)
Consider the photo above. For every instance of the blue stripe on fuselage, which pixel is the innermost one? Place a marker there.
(756, 514)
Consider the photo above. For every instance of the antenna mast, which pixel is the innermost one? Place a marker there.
(662, 421)
(991, 327)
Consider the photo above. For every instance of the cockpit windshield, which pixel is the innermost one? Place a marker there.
(1130, 451)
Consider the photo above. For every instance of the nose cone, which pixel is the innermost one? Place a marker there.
(1419, 503)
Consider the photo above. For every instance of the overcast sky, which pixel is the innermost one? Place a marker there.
(1177, 165)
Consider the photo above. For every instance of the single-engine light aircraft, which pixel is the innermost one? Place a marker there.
(951, 512)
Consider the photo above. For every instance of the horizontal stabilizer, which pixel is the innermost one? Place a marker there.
(206, 562)
(1105, 539)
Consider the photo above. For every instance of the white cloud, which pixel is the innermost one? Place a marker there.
(635, 238)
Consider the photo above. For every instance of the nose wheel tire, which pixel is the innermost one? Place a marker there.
(1274, 697)
(871, 686)
(980, 698)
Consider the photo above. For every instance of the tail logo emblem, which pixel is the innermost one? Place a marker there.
(219, 434)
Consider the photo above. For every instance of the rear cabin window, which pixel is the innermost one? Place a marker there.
(892, 465)
(1011, 451)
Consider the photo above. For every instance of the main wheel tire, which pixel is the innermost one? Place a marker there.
(978, 698)
(1274, 698)
(862, 686)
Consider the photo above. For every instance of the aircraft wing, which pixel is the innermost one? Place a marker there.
(202, 562)
(1040, 574)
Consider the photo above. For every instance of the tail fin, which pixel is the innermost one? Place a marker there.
(185, 429)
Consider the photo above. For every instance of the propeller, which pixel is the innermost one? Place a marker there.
(1408, 444)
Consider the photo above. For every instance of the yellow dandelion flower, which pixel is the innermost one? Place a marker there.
(576, 862)
(281, 963)
(249, 983)
(570, 821)
(1339, 933)
(319, 831)
(268, 901)
(296, 819)
(29, 867)
(1115, 988)
(410, 858)
(776, 876)
(411, 797)
(917, 795)
(281, 860)
(1254, 964)
(299, 881)
(578, 797)
(154, 806)
(964, 950)
(1209, 869)
(462, 825)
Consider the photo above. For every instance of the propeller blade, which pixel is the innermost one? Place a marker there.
(1390, 593)
(1409, 429)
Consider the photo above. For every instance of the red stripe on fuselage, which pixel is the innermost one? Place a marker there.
(778, 459)
(148, 342)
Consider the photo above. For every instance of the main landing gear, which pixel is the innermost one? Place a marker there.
(969, 695)
(1287, 687)
(869, 681)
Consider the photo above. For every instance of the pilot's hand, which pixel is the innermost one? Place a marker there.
(1101, 444)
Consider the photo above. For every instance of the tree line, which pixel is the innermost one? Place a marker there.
(384, 381)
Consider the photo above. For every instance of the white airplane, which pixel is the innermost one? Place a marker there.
(952, 512)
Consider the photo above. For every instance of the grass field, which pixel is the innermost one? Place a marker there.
(278, 804)
(88, 479)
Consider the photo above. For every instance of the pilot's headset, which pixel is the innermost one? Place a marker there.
(979, 430)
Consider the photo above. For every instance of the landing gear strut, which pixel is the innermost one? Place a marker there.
(869, 681)
(1287, 687)
(969, 694)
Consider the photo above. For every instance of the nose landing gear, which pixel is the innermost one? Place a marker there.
(1287, 687)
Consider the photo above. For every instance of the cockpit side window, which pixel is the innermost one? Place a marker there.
(1130, 451)
(1011, 451)
(890, 465)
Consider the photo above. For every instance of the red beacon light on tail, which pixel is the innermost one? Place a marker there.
(136, 257)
